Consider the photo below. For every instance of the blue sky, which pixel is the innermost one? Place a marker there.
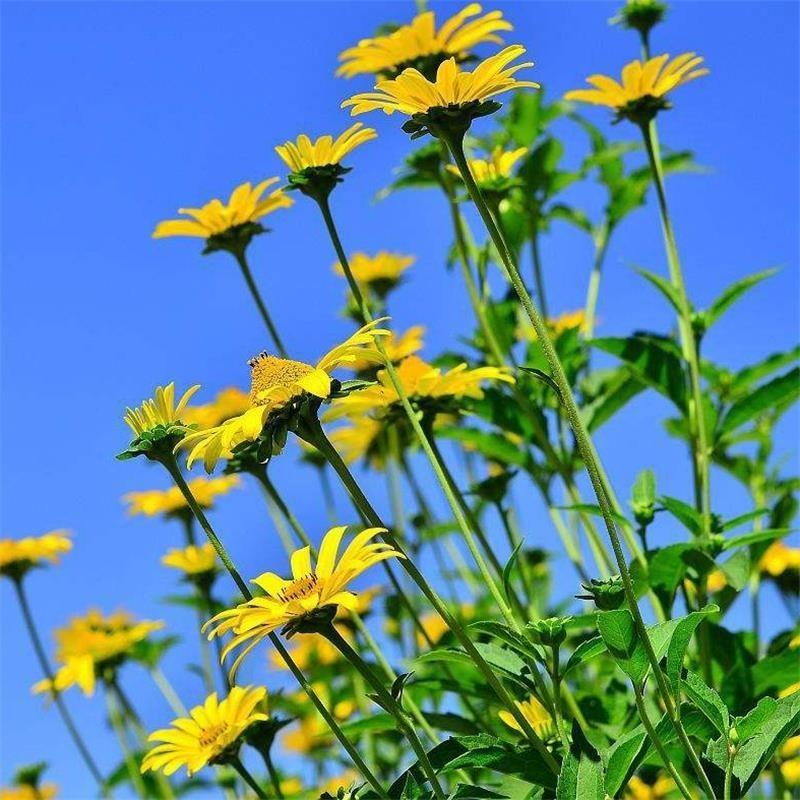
(115, 114)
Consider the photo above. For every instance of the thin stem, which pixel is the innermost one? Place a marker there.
(241, 260)
(274, 778)
(538, 278)
(115, 718)
(236, 763)
(44, 663)
(168, 691)
(269, 487)
(555, 675)
(585, 448)
(601, 238)
(726, 791)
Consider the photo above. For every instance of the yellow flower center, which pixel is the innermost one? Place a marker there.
(299, 588)
(269, 372)
(210, 735)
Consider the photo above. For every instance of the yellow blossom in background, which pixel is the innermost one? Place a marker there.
(228, 403)
(89, 643)
(568, 320)
(435, 627)
(45, 791)
(716, 581)
(790, 690)
(420, 43)
(160, 410)
(343, 781)
(641, 81)
(356, 440)
(534, 712)
(396, 348)
(780, 558)
(291, 787)
(308, 651)
(246, 204)
(790, 771)
(209, 735)
(383, 267)
(412, 93)
(192, 560)
(309, 733)
(637, 789)
(497, 166)
(275, 382)
(325, 151)
(19, 555)
(791, 747)
(168, 501)
(309, 589)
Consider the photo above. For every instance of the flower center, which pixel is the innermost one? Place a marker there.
(300, 588)
(269, 372)
(209, 736)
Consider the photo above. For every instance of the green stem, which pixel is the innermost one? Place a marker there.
(269, 487)
(168, 691)
(726, 792)
(274, 778)
(389, 704)
(538, 278)
(241, 260)
(44, 663)
(236, 763)
(555, 675)
(585, 448)
(601, 238)
(115, 718)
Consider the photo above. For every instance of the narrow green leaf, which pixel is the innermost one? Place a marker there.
(664, 286)
(756, 536)
(680, 641)
(708, 701)
(584, 652)
(684, 513)
(733, 293)
(781, 389)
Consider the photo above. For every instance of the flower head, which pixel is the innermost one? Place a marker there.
(195, 561)
(309, 598)
(279, 386)
(452, 100)
(89, 645)
(493, 174)
(644, 86)
(211, 734)
(380, 272)
(420, 45)
(157, 423)
(17, 556)
(227, 403)
(316, 166)
(170, 502)
(779, 559)
(228, 226)
(534, 712)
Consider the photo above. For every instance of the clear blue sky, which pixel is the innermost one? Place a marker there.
(115, 114)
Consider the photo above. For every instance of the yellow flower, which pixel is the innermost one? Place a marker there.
(791, 747)
(291, 787)
(789, 690)
(209, 735)
(309, 651)
(86, 645)
(420, 45)
(356, 440)
(275, 383)
(325, 151)
(168, 501)
(534, 712)
(412, 93)
(637, 789)
(192, 560)
(228, 403)
(159, 410)
(245, 204)
(790, 770)
(383, 267)
(396, 348)
(644, 85)
(17, 556)
(495, 170)
(435, 627)
(45, 791)
(716, 581)
(310, 732)
(779, 559)
(343, 781)
(293, 601)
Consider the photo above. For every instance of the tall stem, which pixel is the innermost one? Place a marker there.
(168, 691)
(538, 278)
(241, 260)
(115, 718)
(44, 663)
(236, 763)
(585, 448)
(600, 247)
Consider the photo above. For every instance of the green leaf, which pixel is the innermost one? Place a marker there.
(584, 652)
(619, 634)
(680, 641)
(582, 775)
(775, 673)
(684, 513)
(737, 570)
(508, 569)
(664, 286)
(779, 390)
(450, 722)
(735, 522)
(653, 361)
(749, 375)
(623, 758)
(756, 536)
(623, 387)
(708, 701)
(491, 445)
(733, 293)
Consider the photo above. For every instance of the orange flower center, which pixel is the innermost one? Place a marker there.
(270, 372)
(300, 588)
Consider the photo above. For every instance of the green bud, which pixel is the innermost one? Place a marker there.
(550, 632)
(608, 595)
(640, 15)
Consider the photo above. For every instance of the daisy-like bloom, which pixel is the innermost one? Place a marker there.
(171, 501)
(396, 348)
(277, 383)
(779, 559)
(44, 791)
(493, 174)
(228, 226)
(17, 556)
(211, 734)
(194, 561)
(535, 713)
(90, 644)
(419, 44)
(637, 789)
(790, 771)
(644, 86)
(358, 440)
(380, 272)
(452, 100)
(309, 598)
(228, 403)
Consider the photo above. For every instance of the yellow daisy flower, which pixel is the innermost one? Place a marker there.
(716, 581)
(791, 747)
(534, 712)
(419, 44)
(169, 501)
(790, 770)
(310, 733)
(357, 440)
(228, 403)
(779, 559)
(454, 90)
(276, 382)
(211, 734)
(325, 151)
(89, 644)
(382, 268)
(159, 411)
(245, 205)
(17, 556)
(492, 172)
(294, 601)
(45, 791)
(193, 560)
(644, 85)
(435, 627)
(637, 789)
